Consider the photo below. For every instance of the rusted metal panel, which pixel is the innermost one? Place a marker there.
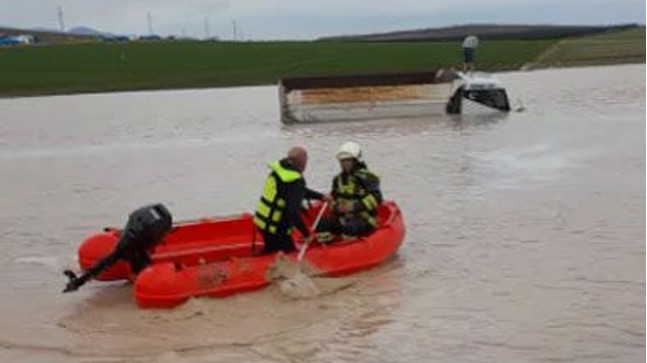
(358, 80)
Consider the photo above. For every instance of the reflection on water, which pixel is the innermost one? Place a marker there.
(525, 237)
(390, 127)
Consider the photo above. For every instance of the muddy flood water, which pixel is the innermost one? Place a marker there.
(525, 232)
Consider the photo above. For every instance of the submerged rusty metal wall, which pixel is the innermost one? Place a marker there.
(361, 96)
(355, 80)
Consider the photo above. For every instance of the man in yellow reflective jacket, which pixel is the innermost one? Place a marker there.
(356, 196)
(278, 210)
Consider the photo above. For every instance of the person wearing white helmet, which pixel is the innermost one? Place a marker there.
(356, 196)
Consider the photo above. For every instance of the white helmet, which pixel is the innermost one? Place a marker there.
(349, 150)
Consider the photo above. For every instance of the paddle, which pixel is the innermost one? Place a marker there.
(304, 247)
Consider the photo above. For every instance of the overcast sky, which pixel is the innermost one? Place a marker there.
(308, 19)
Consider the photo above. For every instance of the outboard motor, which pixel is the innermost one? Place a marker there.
(146, 227)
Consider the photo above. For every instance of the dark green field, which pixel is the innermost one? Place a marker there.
(626, 46)
(103, 67)
(135, 66)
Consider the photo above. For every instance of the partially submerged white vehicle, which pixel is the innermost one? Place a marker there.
(477, 93)
(389, 95)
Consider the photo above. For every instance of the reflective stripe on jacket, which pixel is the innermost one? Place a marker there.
(270, 210)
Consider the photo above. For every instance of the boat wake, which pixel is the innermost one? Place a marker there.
(55, 263)
(301, 280)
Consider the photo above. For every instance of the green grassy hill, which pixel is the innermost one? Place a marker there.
(485, 32)
(103, 67)
(160, 65)
(627, 46)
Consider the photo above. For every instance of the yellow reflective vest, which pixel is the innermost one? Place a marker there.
(270, 209)
(353, 189)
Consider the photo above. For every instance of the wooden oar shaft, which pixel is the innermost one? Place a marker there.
(302, 252)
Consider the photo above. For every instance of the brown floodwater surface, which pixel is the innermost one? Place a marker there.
(525, 232)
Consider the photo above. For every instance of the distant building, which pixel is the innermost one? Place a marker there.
(150, 37)
(115, 38)
(17, 39)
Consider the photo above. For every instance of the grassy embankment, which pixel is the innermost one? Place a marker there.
(163, 65)
(626, 46)
(103, 67)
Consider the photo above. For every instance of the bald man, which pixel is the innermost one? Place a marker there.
(278, 210)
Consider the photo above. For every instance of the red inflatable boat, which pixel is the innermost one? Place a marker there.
(220, 256)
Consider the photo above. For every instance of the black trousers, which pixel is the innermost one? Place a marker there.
(277, 242)
(468, 55)
(348, 225)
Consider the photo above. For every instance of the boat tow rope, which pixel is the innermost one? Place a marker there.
(304, 247)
